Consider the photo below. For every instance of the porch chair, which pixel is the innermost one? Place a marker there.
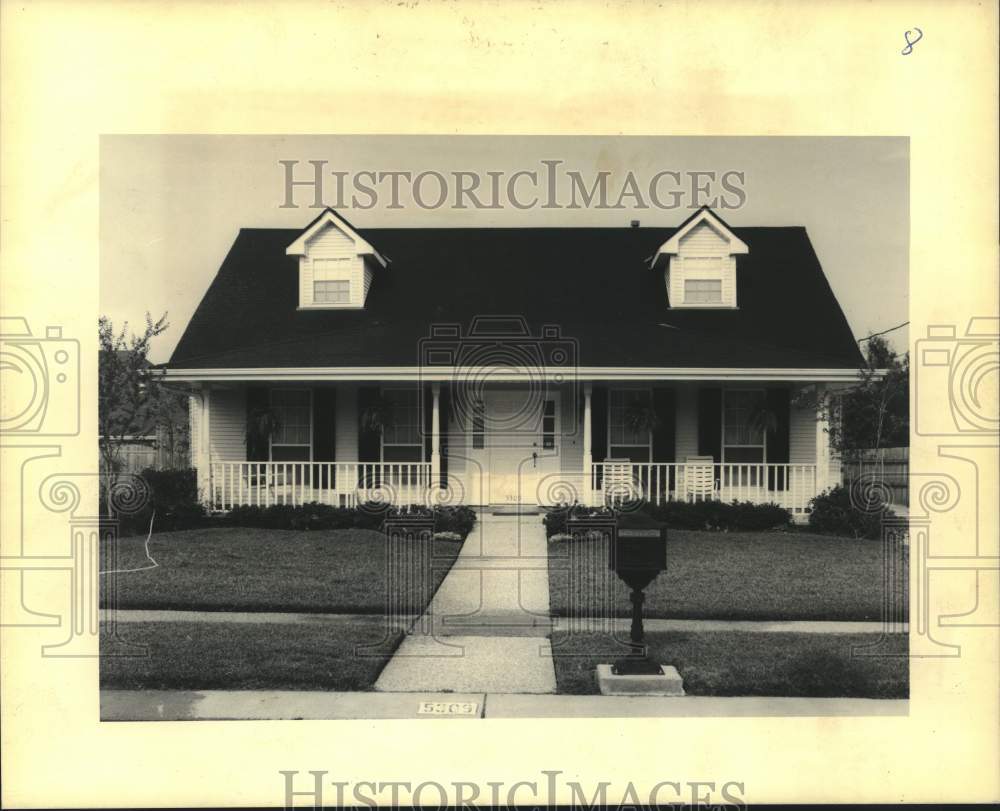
(618, 483)
(699, 479)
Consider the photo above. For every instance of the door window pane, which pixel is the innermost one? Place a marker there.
(549, 425)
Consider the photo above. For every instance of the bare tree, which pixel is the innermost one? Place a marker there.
(129, 393)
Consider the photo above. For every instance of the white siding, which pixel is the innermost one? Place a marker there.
(802, 435)
(331, 243)
(227, 425)
(369, 273)
(729, 281)
(305, 282)
(703, 239)
(194, 417)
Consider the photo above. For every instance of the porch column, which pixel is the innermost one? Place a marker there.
(201, 443)
(588, 455)
(822, 443)
(436, 435)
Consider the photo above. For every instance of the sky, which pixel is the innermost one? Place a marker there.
(171, 205)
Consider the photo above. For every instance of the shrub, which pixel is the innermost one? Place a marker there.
(697, 515)
(736, 516)
(747, 517)
(370, 515)
(309, 517)
(555, 519)
(563, 537)
(833, 513)
(173, 504)
(458, 519)
(447, 536)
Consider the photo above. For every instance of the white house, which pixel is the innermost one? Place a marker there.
(531, 366)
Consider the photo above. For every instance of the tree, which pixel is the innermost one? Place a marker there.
(130, 397)
(875, 412)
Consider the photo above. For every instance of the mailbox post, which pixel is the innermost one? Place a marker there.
(637, 554)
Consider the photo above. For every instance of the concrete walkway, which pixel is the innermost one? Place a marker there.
(486, 627)
(191, 705)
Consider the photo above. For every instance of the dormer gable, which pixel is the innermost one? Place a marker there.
(336, 264)
(699, 263)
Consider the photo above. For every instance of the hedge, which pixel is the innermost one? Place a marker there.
(716, 516)
(372, 515)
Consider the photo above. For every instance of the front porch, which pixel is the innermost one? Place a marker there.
(592, 442)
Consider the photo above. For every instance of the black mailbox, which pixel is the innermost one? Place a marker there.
(637, 554)
(640, 545)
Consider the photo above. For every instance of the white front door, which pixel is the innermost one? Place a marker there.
(521, 443)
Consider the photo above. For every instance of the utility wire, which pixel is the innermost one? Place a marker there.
(884, 332)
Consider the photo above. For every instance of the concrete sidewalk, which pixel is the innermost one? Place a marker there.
(126, 615)
(221, 705)
(514, 625)
(488, 620)
(743, 626)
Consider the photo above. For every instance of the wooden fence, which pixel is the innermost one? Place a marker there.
(890, 466)
(140, 453)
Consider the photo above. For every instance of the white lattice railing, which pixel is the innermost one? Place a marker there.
(789, 485)
(342, 484)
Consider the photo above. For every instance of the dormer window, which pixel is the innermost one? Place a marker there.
(699, 263)
(703, 291)
(332, 281)
(336, 265)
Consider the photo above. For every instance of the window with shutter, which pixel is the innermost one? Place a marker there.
(625, 439)
(292, 441)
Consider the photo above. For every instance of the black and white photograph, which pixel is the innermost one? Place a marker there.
(462, 403)
(511, 427)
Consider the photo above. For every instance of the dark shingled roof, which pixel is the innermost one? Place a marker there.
(595, 283)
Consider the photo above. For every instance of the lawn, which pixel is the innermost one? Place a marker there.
(737, 575)
(239, 569)
(723, 663)
(244, 656)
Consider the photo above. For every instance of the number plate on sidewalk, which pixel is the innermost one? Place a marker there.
(448, 708)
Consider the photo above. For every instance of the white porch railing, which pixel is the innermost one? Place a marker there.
(789, 485)
(341, 484)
